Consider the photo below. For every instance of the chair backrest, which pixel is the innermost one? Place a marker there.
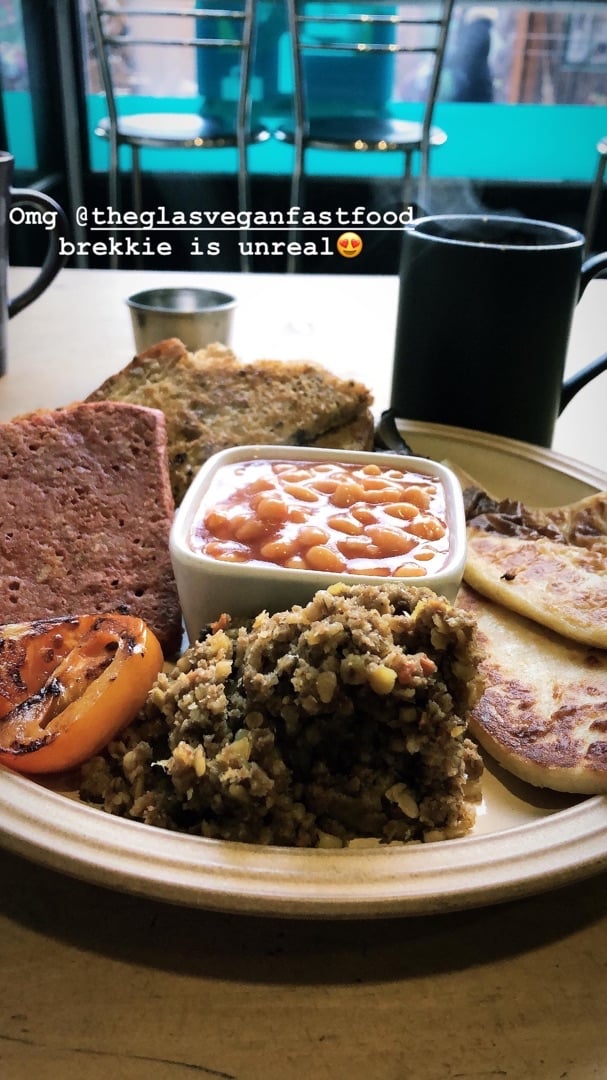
(352, 49)
(220, 33)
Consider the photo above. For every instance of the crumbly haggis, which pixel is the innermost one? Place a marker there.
(313, 727)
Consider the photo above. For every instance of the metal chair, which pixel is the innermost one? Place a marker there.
(227, 29)
(596, 194)
(372, 34)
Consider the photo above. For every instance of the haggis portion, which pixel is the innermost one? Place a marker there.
(342, 719)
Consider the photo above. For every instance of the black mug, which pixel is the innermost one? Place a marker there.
(484, 315)
(13, 210)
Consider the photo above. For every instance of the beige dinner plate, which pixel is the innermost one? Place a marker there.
(525, 840)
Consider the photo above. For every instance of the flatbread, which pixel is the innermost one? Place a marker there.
(547, 564)
(543, 713)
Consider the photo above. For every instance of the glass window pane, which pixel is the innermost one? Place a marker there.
(14, 81)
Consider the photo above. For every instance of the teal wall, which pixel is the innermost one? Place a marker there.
(552, 143)
(20, 127)
(486, 142)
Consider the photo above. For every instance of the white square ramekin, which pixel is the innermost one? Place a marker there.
(209, 587)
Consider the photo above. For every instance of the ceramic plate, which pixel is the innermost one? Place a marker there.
(525, 840)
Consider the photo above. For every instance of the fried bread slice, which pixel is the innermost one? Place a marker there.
(543, 713)
(212, 401)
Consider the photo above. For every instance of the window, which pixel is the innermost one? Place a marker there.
(14, 80)
(523, 98)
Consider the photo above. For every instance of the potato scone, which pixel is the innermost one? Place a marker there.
(543, 713)
(339, 720)
(212, 402)
(549, 565)
(85, 514)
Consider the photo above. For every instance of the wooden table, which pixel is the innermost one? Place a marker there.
(79, 332)
(98, 984)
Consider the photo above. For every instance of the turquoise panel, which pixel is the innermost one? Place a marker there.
(552, 143)
(20, 128)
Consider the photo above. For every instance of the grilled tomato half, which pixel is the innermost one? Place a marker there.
(68, 685)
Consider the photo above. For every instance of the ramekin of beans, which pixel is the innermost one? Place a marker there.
(264, 527)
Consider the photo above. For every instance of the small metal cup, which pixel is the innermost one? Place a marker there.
(198, 317)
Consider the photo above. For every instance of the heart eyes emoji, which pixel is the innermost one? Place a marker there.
(349, 244)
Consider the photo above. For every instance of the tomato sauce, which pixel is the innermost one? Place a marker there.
(323, 515)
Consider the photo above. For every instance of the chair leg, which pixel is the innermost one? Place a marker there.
(136, 181)
(244, 200)
(114, 188)
(423, 190)
(296, 200)
(137, 192)
(596, 193)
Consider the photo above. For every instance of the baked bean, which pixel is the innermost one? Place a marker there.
(278, 551)
(226, 552)
(424, 556)
(217, 523)
(250, 530)
(269, 509)
(405, 511)
(295, 476)
(389, 541)
(325, 487)
(346, 494)
(418, 496)
(310, 535)
(371, 483)
(323, 558)
(363, 566)
(428, 528)
(358, 547)
(410, 570)
(383, 495)
(328, 516)
(261, 485)
(298, 491)
(345, 525)
(296, 563)
(366, 517)
(297, 515)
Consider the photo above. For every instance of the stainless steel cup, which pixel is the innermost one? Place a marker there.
(198, 317)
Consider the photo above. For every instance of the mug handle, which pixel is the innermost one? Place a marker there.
(54, 259)
(590, 269)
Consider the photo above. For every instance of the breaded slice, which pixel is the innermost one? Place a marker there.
(85, 513)
(212, 401)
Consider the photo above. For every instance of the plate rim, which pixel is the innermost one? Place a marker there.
(60, 833)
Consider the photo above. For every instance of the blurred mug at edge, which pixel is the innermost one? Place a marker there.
(44, 210)
(484, 315)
